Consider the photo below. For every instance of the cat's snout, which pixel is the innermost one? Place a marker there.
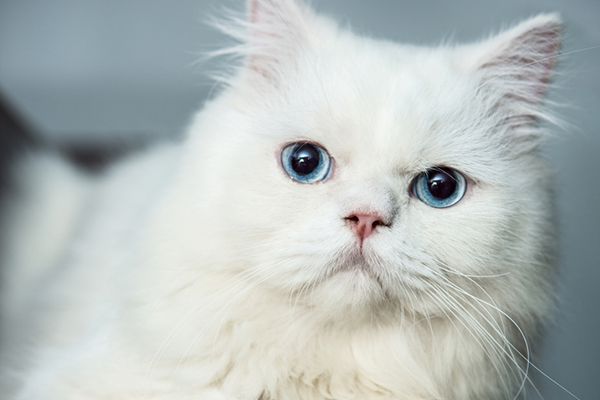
(364, 224)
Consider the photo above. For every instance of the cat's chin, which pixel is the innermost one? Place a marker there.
(350, 289)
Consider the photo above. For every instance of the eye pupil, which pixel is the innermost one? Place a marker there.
(305, 159)
(441, 184)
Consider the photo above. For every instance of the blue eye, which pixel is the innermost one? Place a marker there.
(306, 162)
(440, 187)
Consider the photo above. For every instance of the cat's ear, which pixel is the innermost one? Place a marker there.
(521, 60)
(277, 30)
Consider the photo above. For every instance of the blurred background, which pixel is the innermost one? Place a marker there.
(113, 74)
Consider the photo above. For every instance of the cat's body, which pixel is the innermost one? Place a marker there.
(199, 270)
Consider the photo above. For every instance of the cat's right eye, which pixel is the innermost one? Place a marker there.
(306, 162)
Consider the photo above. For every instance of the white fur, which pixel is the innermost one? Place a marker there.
(201, 271)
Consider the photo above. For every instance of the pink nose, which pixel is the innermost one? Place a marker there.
(364, 224)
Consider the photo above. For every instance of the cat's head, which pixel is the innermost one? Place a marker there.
(350, 172)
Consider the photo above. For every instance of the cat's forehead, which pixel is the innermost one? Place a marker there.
(366, 98)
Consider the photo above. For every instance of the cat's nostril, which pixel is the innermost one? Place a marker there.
(352, 218)
(364, 224)
(377, 223)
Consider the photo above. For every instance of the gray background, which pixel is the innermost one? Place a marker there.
(107, 69)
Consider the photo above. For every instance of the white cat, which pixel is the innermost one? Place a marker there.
(348, 219)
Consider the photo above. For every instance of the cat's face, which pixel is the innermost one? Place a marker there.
(322, 146)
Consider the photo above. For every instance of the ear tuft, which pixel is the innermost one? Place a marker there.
(515, 69)
(276, 30)
(522, 59)
(268, 38)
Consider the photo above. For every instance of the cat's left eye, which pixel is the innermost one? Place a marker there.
(440, 187)
(306, 162)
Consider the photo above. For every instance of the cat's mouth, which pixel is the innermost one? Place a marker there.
(357, 261)
(366, 263)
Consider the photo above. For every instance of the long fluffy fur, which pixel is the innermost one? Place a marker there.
(199, 270)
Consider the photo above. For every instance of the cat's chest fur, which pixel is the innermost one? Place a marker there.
(328, 364)
(269, 351)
